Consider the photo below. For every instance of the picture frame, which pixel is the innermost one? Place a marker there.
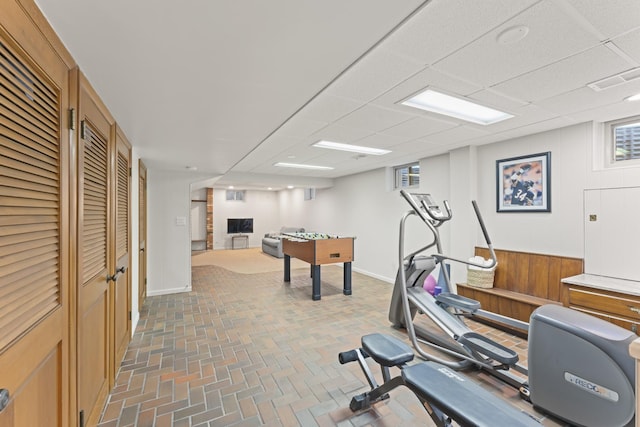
(523, 184)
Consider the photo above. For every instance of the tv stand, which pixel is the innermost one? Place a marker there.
(240, 236)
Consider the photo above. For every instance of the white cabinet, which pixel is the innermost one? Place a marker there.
(612, 232)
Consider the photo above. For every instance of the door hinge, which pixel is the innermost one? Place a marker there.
(130, 172)
(72, 119)
(81, 419)
(83, 130)
(129, 315)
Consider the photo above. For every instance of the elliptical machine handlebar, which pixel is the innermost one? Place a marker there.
(427, 205)
(436, 218)
(480, 220)
(434, 211)
(487, 239)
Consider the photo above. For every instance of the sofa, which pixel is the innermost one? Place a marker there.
(272, 242)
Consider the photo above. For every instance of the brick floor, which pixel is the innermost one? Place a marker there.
(252, 350)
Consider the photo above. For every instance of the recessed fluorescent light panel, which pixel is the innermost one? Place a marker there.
(635, 97)
(437, 102)
(301, 166)
(352, 148)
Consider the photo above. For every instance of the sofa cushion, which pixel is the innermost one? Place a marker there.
(274, 242)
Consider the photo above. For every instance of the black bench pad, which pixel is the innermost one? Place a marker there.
(387, 350)
(461, 399)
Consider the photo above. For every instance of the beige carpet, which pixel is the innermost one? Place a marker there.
(245, 261)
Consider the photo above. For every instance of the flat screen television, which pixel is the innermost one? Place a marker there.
(239, 225)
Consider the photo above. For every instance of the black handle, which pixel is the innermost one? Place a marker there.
(4, 398)
(350, 356)
(116, 274)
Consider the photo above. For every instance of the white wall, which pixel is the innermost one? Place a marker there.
(559, 232)
(361, 205)
(463, 187)
(168, 238)
(291, 205)
(260, 205)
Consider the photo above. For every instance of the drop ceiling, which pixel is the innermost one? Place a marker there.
(232, 87)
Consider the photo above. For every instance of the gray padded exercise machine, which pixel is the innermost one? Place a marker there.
(446, 395)
(579, 368)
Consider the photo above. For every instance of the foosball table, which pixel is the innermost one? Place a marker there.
(318, 249)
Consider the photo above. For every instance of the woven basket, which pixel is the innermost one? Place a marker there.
(480, 278)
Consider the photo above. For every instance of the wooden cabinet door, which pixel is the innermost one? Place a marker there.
(121, 285)
(34, 226)
(94, 266)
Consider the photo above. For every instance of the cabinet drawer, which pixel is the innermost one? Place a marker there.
(625, 323)
(606, 304)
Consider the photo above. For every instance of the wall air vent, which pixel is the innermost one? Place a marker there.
(616, 80)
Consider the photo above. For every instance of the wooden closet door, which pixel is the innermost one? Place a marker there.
(34, 226)
(121, 284)
(94, 242)
(142, 236)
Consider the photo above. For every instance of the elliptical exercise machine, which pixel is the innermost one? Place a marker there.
(446, 310)
(579, 369)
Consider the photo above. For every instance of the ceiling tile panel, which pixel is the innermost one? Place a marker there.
(419, 127)
(460, 133)
(428, 77)
(273, 146)
(630, 44)
(373, 118)
(565, 75)
(552, 36)
(609, 112)
(459, 22)
(554, 123)
(380, 140)
(611, 18)
(373, 75)
(418, 146)
(338, 133)
(328, 108)
(523, 116)
(300, 127)
(586, 99)
(494, 99)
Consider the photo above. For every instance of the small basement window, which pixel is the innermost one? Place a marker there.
(407, 175)
(624, 140)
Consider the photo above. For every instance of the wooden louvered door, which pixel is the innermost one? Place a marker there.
(121, 282)
(142, 236)
(94, 241)
(34, 229)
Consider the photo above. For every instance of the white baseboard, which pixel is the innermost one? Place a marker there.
(375, 276)
(168, 291)
(134, 321)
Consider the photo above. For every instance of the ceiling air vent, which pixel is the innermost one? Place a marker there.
(616, 80)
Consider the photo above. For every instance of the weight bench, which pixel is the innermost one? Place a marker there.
(445, 394)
